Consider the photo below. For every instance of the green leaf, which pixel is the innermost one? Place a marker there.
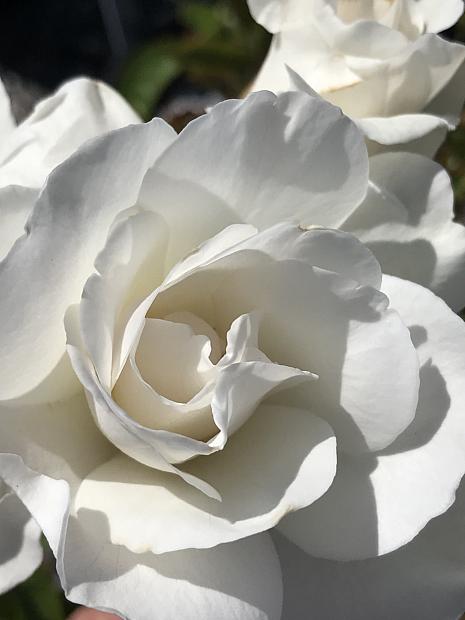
(148, 74)
(200, 18)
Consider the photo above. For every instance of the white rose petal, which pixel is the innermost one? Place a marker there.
(80, 110)
(225, 372)
(420, 581)
(387, 499)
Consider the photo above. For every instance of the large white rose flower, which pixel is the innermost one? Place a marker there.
(268, 377)
(80, 110)
(379, 60)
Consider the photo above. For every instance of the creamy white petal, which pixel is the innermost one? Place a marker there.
(20, 548)
(80, 110)
(407, 221)
(154, 448)
(265, 158)
(281, 459)
(331, 250)
(268, 13)
(46, 270)
(58, 439)
(240, 388)
(239, 580)
(385, 500)
(403, 128)
(155, 411)
(317, 321)
(421, 581)
(436, 17)
(15, 206)
(211, 249)
(426, 65)
(358, 68)
(129, 267)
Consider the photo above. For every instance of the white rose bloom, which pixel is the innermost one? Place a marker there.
(379, 60)
(232, 375)
(80, 110)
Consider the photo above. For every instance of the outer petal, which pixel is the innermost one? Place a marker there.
(283, 458)
(20, 548)
(239, 580)
(435, 17)
(46, 270)
(320, 322)
(46, 450)
(15, 206)
(406, 220)
(269, 158)
(405, 130)
(274, 15)
(79, 110)
(422, 581)
(386, 500)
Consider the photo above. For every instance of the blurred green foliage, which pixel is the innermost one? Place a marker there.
(219, 47)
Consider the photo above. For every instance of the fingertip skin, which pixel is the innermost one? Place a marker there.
(83, 613)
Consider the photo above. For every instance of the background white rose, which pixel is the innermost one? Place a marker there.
(380, 61)
(124, 217)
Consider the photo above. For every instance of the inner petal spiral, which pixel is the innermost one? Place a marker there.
(173, 360)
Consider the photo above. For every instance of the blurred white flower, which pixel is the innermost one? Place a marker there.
(232, 373)
(379, 60)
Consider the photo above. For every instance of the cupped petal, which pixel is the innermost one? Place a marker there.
(434, 443)
(237, 580)
(317, 321)
(129, 267)
(406, 130)
(386, 499)
(282, 459)
(173, 359)
(407, 221)
(421, 581)
(20, 548)
(268, 13)
(269, 158)
(80, 110)
(154, 448)
(240, 387)
(46, 270)
(427, 65)
(436, 17)
(328, 249)
(15, 207)
(155, 411)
